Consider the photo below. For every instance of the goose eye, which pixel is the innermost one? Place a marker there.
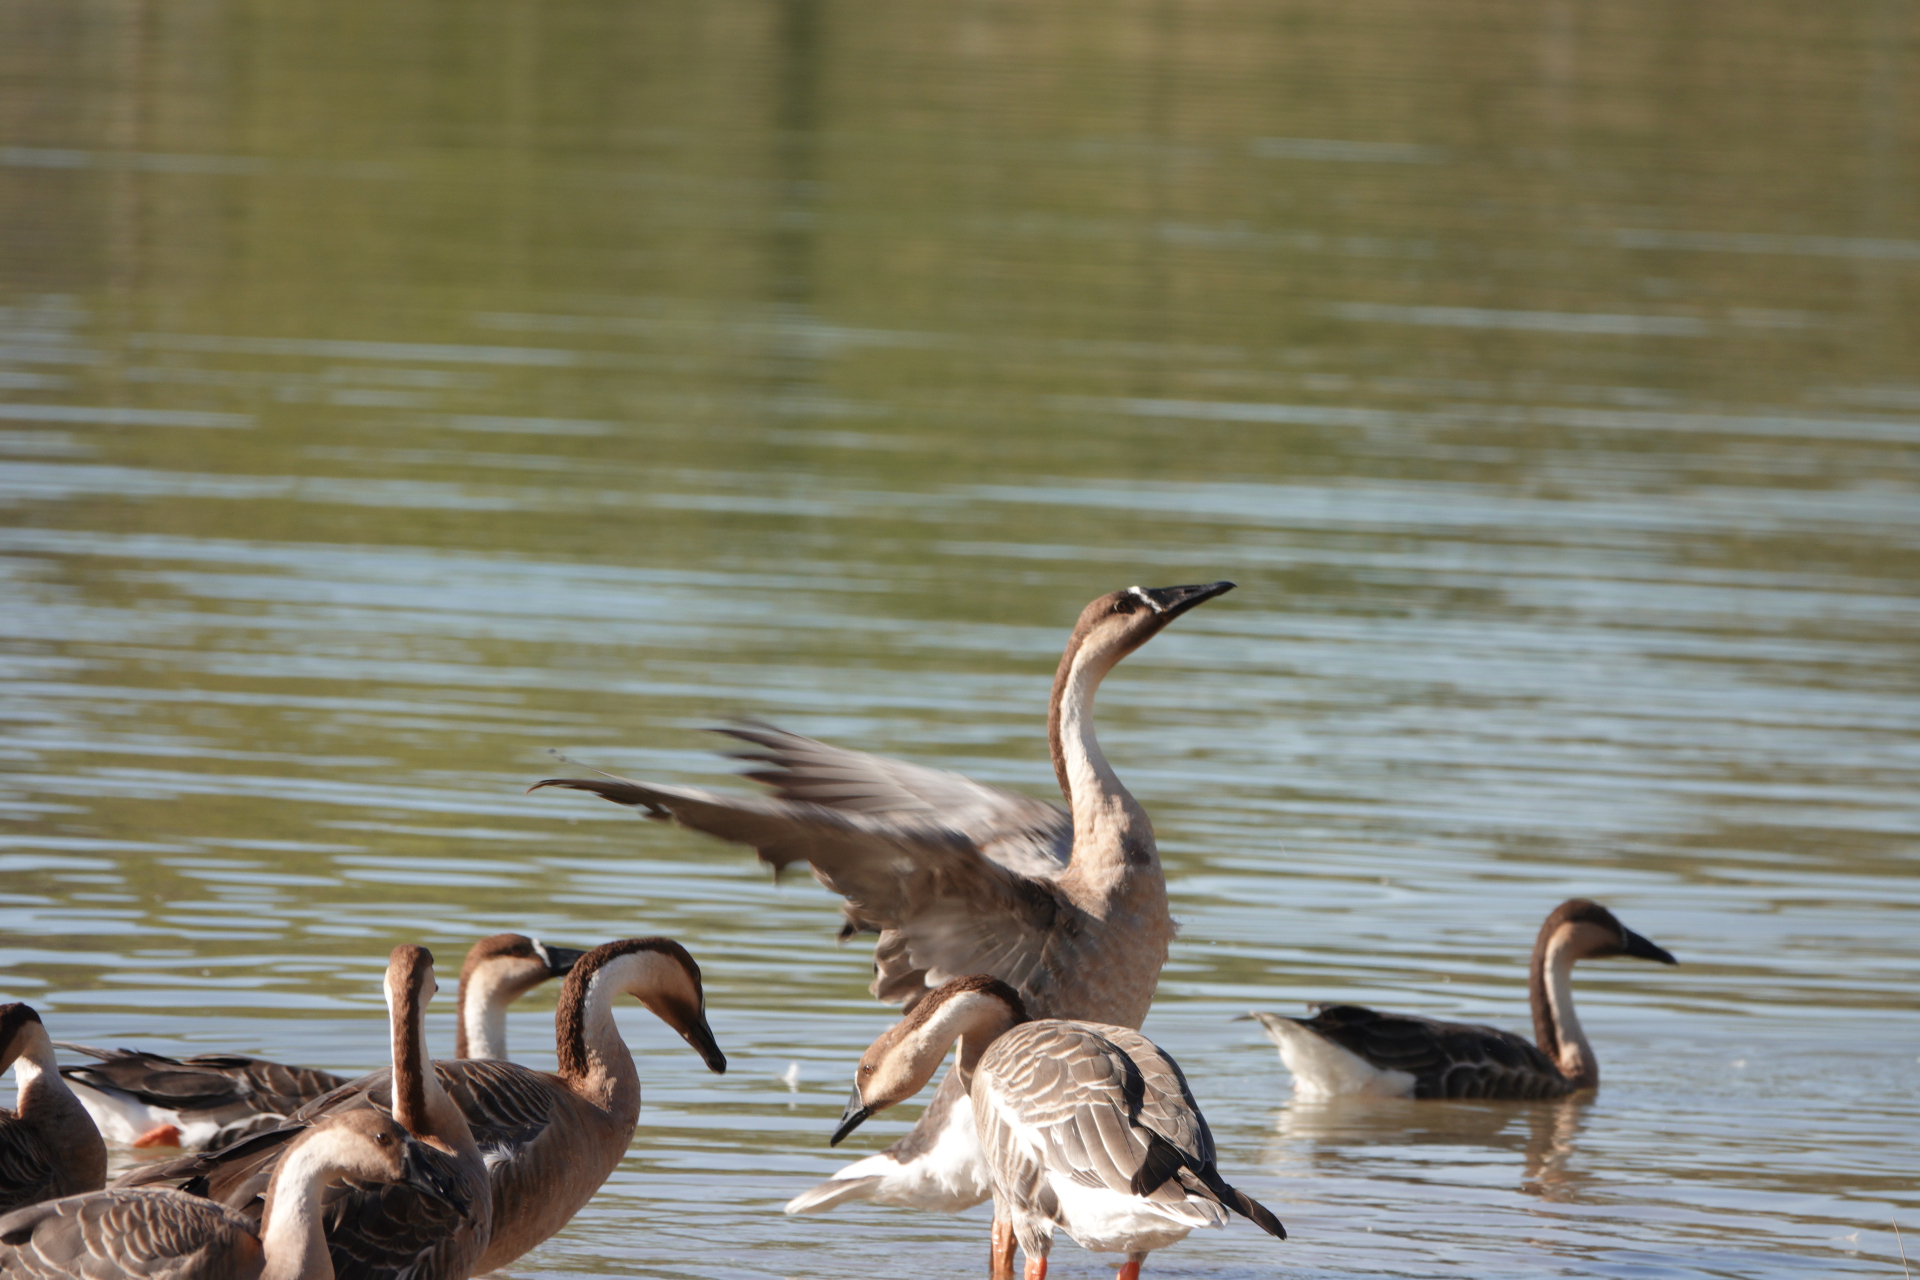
(1125, 604)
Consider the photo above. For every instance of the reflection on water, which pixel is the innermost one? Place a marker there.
(391, 394)
(1420, 1141)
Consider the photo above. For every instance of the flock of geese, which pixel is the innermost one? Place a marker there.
(1028, 936)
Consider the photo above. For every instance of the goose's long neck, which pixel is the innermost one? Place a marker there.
(291, 1223)
(1111, 831)
(1556, 1027)
(594, 1059)
(36, 1074)
(45, 1101)
(420, 1102)
(484, 997)
(975, 1021)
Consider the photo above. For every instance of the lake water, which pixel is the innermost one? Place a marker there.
(393, 393)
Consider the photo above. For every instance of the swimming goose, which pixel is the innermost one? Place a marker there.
(49, 1146)
(390, 1231)
(212, 1100)
(167, 1235)
(1087, 1129)
(1347, 1049)
(549, 1140)
(1069, 908)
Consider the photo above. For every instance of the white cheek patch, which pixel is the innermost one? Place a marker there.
(1144, 596)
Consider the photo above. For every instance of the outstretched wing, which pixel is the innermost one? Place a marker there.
(1446, 1059)
(1024, 835)
(957, 878)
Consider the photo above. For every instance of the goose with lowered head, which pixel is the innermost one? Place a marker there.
(48, 1144)
(548, 1139)
(390, 1231)
(1068, 907)
(1347, 1049)
(1087, 1129)
(152, 1233)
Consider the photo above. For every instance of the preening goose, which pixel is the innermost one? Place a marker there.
(153, 1234)
(212, 1100)
(48, 1146)
(1347, 1049)
(1087, 1129)
(436, 1230)
(549, 1140)
(1068, 908)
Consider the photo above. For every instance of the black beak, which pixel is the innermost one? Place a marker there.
(850, 1118)
(700, 1036)
(1171, 602)
(1640, 949)
(432, 1177)
(559, 959)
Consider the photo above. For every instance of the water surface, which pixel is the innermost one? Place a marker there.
(393, 394)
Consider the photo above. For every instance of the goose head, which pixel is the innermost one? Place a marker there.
(20, 1033)
(365, 1144)
(974, 1010)
(1119, 622)
(658, 973)
(1583, 930)
(499, 970)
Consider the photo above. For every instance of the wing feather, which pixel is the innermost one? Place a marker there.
(29, 1170)
(1446, 1059)
(1105, 1108)
(956, 877)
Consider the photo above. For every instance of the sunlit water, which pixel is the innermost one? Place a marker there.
(391, 394)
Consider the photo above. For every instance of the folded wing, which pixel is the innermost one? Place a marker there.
(1446, 1059)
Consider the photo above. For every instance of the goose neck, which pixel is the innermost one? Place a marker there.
(36, 1072)
(1110, 829)
(1556, 1025)
(484, 998)
(595, 1062)
(420, 1102)
(972, 1022)
(291, 1231)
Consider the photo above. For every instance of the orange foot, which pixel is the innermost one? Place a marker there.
(1036, 1268)
(1131, 1271)
(166, 1135)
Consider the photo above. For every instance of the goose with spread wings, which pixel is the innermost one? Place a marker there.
(1068, 907)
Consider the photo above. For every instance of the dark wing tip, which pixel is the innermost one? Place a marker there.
(1258, 1214)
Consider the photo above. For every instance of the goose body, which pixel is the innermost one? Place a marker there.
(1351, 1050)
(49, 1146)
(436, 1230)
(1085, 1128)
(156, 1234)
(1067, 906)
(212, 1100)
(548, 1140)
